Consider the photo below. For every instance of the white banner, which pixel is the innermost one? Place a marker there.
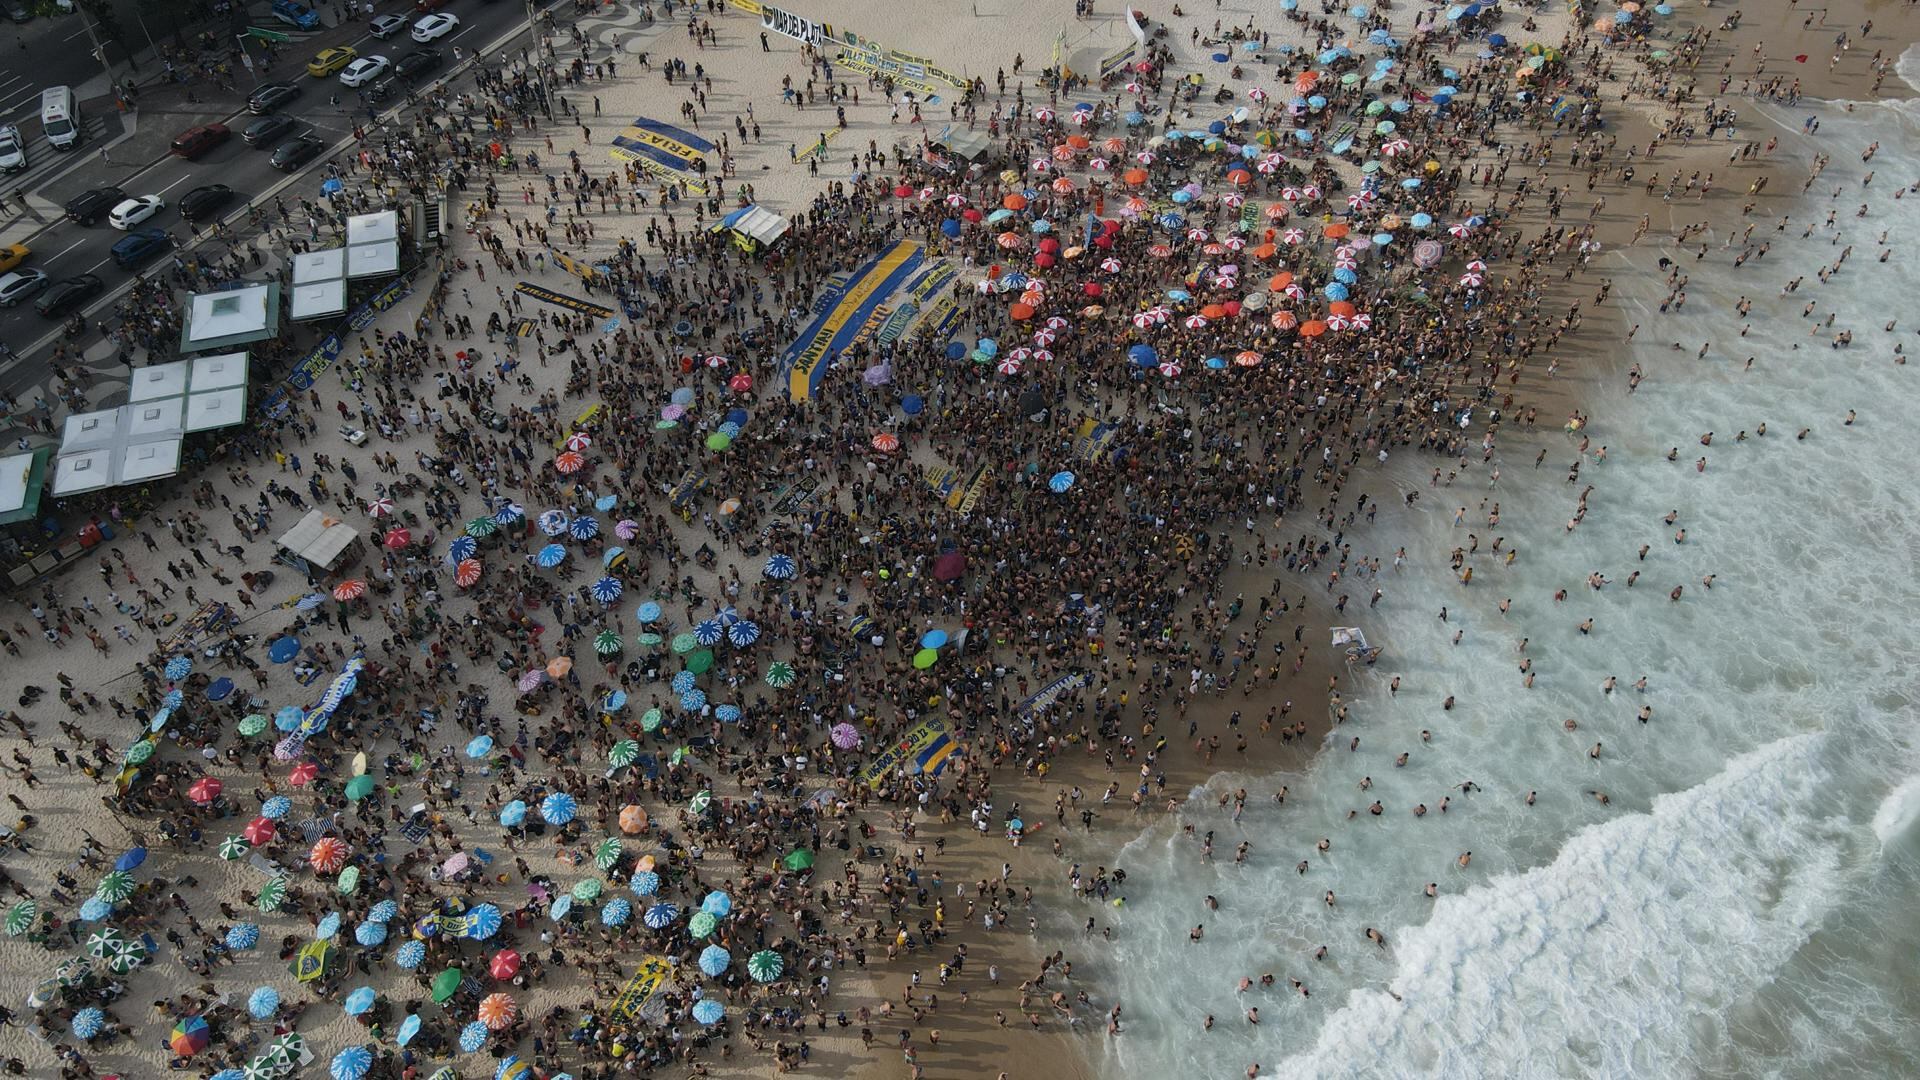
(794, 26)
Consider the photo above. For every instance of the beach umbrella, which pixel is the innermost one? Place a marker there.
(845, 736)
(531, 680)
(552, 522)
(607, 852)
(350, 590)
(483, 922)
(108, 940)
(614, 701)
(714, 960)
(644, 882)
(243, 936)
(558, 808)
(683, 682)
(370, 934)
(479, 746)
(617, 912)
(514, 814)
(504, 965)
(87, 1023)
(708, 632)
(765, 965)
(263, 1002)
(702, 924)
(359, 1001)
(358, 788)
(473, 1037)
(651, 720)
(623, 753)
(273, 893)
(127, 959)
(587, 890)
(1060, 483)
(20, 917)
(632, 819)
(461, 547)
(253, 723)
(328, 854)
(743, 633)
(607, 589)
(659, 916)
(482, 526)
(558, 667)
(397, 539)
(647, 612)
(727, 714)
(303, 774)
(798, 859)
(445, 984)
(410, 954)
(693, 700)
(583, 528)
(328, 926)
(140, 753)
(288, 717)
(780, 674)
(497, 1011)
(709, 1011)
(114, 887)
(551, 556)
(189, 1036)
(380, 507)
(179, 668)
(409, 1028)
(466, 573)
(93, 909)
(687, 642)
(353, 1063)
(561, 907)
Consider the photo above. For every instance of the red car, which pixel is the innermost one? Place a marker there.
(198, 140)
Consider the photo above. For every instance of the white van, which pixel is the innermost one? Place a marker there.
(59, 117)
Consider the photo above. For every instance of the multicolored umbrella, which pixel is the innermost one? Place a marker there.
(234, 848)
(473, 1037)
(644, 882)
(329, 854)
(466, 573)
(350, 590)
(105, 941)
(410, 954)
(189, 1036)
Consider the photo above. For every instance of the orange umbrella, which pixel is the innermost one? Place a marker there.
(1136, 177)
(569, 461)
(558, 667)
(1265, 251)
(1337, 230)
(1021, 312)
(1115, 145)
(350, 590)
(1009, 240)
(1239, 177)
(1312, 328)
(1284, 320)
(1280, 281)
(1276, 211)
(1079, 142)
(328, 854)
(1062, 184)
(1340, 307)
(1214, 311)
(886, 442)
(1014, 201)
(497, 1011)
(466, 573)
(632, 819)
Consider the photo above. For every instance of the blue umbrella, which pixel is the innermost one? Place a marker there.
(551, 556)
(647, 612)
(332, 186)
(370, 934)
(714, 960)
(912, 405)
(709, 1011)
(644, 882)
(558, 808)
(228, 1074)
(660, 915)
(179, 667)
(606, 502)
(93, 909)
(353, 1063)
(561, 907)
(781, 567)
(174, 699)
(1216, 363)
(1143, 355)
(727, 714)
(509, 513)
(614, 701)
(743, 633)
(263, 1002)
(513, 815)
(87, 1023)
(717, 904)
(683, 682)
(708, 632)
(584, 528)
(411, 954)
(473, 1037)
(616, 912)
(693, 700)
(408, 1029)
(1336, 291)
(243, 936)
(483, 922)
(277, 807)
(552, 522)
(1345, 276)
(462, 547)
(607, 589)
(1060, 484)
(131, 859)
(479, 746)
(933, 639)
(328, 926)
(288, 717)
(682, 395)
(359, 1001)
(283, 648)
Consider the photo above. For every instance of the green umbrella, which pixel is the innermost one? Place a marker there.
(20, 917)
(272, 894)
(700, 801)
(127, 959)
(234, 847)
(606, 853)
(685, 643)
(252, 724)
(481, 526)
(665, 425)
(359, 787)
(139, 753)
(798, 859)
(105, 942)
(446, 984)
(702, 924)
(780, 674)
(649, 639)
(650, 720)
(701, 662)
(349, 880)
(72, 970)
(765, 965)
(925, 657)
(115, 887)
(588, 890)
(624, 753)
(1376, 107)
(606, 643)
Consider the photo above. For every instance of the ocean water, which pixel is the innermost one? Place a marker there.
(1743, 905)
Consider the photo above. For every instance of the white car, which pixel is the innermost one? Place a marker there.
(434, 26)
(13, 150)
(135, 210)
(363, 70)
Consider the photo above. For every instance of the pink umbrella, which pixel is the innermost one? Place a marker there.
(845, 736)
(1110, 264)
(673, 412)
(626, 528)
(531, 681)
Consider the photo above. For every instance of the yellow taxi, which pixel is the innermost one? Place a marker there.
(12, 255)
(330, 61)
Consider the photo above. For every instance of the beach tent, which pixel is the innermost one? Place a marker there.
(317, 542)
(754, 228)
(966, 145)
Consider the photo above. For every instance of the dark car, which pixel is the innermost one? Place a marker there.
(271, 96)
(90, 206)
(140, 245)
(417, 64)
(198, 140)
(63, 296)
(268, 130)
(292, 155)
(201, 202)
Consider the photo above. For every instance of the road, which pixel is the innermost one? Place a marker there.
(63, 249)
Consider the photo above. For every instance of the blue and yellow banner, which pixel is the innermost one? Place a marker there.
(653, 973)
(806, 360)
(924, 750)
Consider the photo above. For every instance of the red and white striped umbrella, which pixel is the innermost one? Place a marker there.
(1267, 168)
(1362, 322)
(1134, 88)
(1235, 242)
(1292, 236)
(1057, 323)
(1277, 211)
(1134, 204)
(350, 590)
(956, 199)
(1161, 313)
(886, 442)
(926, 194)
(1196, 322)
(1098, 164)
(1008, 366)
(1160, 251)
(1476, 265)
(1043, 356)
(1294, 291)
(1062, 184)
(1063, 152)
(1144, 320)
(1461, 230)
(1285, 320)
(1043, 113)
(1358, 199)
(1343, 262)
(1043, 337)
(1115, 145)
(1145, 157)
(381, 507)
(579, 440)
(1082, 117)
(1471, 281)
(1020, 355)
(1395, 147)
(1336, 321)
(717, 362)
(1197, 235)
(1291, 194)
(570, 462)
(466, 573)
(1247, 358)
(1257, 94)
(1215, 249)
(1042, 165)
(397, 539)
(1170, 368)
(1311, 191)
(1233, 199)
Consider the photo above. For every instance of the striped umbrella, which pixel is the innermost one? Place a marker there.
(605, 854)
(702, 924)
(510, 513)
(765, 965)
(660, 916)
(551, 556)
(115, 887)
(743, 633)
(552, 522)
(243, 936)
(20, 917)
(780, 674)
(179, 668)
(273, 893)
(88, 1023)
(263, 1002)
(617, 912)
(370, 934)
(558, 808)
(473, 1037)
(482, 526)
(584, 528)
(607, 589)
(623, 753)
(353, 1063)
(411, 954)
(708, 632)
(462, 547)
(781, 567)
(709, 1011)
(234, 848)
(606, 643)
(644, 882)
(714, 960)
(105, 941)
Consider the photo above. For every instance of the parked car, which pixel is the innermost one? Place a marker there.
(201, 202)
(140, 245)
(435, 26)
(292, 155)
(13, 255)
(418, 64)
(268, 130)
(364, 70)
(195, 141)
(90, 206)
(133, 211)
(20, 285)
(329, 60)
(13, 150)
(65, 295)
(271, 96)
(385, 26)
